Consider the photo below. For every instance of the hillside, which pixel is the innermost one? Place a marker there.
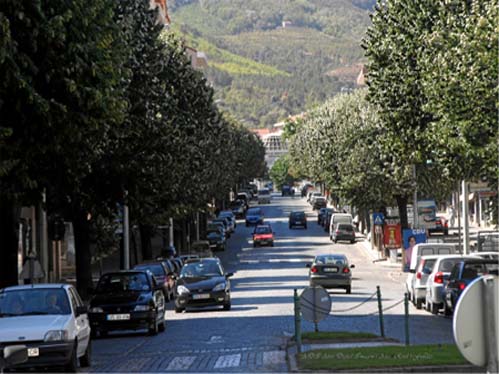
(262, 71)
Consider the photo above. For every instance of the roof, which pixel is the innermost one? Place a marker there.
(38, 286)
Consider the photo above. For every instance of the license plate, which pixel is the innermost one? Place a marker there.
(201, 296)
(331, 270)
(33, 352)
(298, 222)
(118, 317)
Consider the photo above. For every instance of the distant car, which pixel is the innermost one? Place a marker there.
(343, 231)
(322, 215)
(331, 271)
(216, 239)
(297, 218)
(263, 235)
(264, 196)
(319, 202)
(327, 220)
(217, 225)
(162, 275)
(229, 228)
(230, 215)
(285, 190)
(199, 248)
(418, 285)
(487, 255)
(254, 216)
(203, 283)
(51, 321)
(442, 226)
(238, 208)
(314, 196)
(462, 274)
(127, 300)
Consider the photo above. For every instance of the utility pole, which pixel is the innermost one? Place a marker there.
(126, 234)
(170, 236)
(466, 224)
(415, 199)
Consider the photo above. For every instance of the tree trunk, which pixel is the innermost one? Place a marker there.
(402, 205)
(145, 241)
(82, 247)
(8, 243)
(367, 219)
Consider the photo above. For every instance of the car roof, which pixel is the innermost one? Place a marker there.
(435, 245)
(333, 255)
(203, 259)
(38, 286)
(297, 211)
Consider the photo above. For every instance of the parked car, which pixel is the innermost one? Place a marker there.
(439, 275)
(461, 276)
(418, 282)
(331, 271)
(327, 220)
(297, 218)
(199, 248)
(319, 202)
(254, 216)
(230, 215)
(487, 255)
(229, 228)
(203, 283)
(178, 264)
(163, 276)
(338, 218)
(264, 196)
(127, 300)
(441, 226)
(51, 321)
(244, 197)
(314, 196)
(263, 235)
(238, 208)
(344, 231)
(322, 215)
(220, 226)
(216, 238)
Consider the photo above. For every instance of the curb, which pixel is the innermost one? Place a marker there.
(385, 263)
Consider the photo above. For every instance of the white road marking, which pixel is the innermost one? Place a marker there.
(274, 357)
(180, 363)
(228, 361)
(215, 339)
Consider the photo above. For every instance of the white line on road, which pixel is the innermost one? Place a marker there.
(228, 361)
(180, 363)
(273, 358)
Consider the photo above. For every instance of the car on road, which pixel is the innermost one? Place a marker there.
(344, 231)
(127, 300)
(321, 215)
(163, 276)
(331, 271)
(319, 202)
(286, 190)
(202, 283)
(297, 218)
(230, 215)
(227, 224)
(487, 255)
(238, 208)
(419, 281)
(217, 225)
(314, 196)
(199, 248)
(338, 218)
(263, 235)
(51, 321)
(264, 196)
(462, 274)
(254, 216)
(441, 226)
(216, 238)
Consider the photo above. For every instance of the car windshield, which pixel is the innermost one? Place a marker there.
(34, 301)
(298, 215)
(263, 192)
(156, 269)
(345, 227)
(123, 283)
(254, 212)
(201, 269)
(263, 230)
(330, 260)
(446, 266)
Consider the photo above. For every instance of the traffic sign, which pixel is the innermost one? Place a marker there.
(315, 304)
(378, 218)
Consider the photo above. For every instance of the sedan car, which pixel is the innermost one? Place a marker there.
(230, 215)
(343, 231)
(319, 202)
(297, 218)
(238, 208)
(216, 239)
(203, 282)
(163, 276)
(331, 271)
(127, 300)
(50, 320)
(263, 235)
(441, 226)
(254, 216)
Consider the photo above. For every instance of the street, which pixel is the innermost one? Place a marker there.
(252, 335)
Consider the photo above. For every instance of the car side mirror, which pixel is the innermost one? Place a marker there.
(352, 266)
(228, 275)
(308, 265)
(80, 310)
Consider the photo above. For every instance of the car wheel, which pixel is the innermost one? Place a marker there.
(349, 289)
(419, 304)
(247, 224)
(86, 359)
(179, 310)
(434, 308)
(227, 306)
(352, 241)
(272, 244)
(447, 311)
(335, 240)
(153, 328)
(305, 227)
(162, 326)
(254, 245)
(72, 365)
(446, 232)
(427, 305)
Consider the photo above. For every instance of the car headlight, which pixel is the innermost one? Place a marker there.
(219, 287)
(56, 336)
(182, 290)
(142, 308)
(96, 309)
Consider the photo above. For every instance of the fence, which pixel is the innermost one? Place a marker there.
(379, 312)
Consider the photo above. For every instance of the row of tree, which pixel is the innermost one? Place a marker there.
(428, 118)
(97, 99)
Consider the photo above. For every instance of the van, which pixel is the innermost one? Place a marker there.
(339, 218)
(264, 196)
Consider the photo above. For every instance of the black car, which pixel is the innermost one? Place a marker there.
(322, 215)
(327, 220)
(203, 282)
(286, 190)
(163, 276)
(297, 219)
(462, 274)
(216, 239)
(319, 202)
(127, 300)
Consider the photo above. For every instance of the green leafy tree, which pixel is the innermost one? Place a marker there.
(279, 173)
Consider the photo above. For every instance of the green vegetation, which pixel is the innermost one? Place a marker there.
(378, 357)
(337, 335)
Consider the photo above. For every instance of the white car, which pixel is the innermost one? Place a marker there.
(51, 320)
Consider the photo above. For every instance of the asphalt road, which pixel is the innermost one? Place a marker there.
(253, 334)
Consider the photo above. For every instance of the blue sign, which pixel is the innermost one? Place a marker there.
(378, 218)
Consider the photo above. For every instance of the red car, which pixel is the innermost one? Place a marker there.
(263, 235)
(442, 226)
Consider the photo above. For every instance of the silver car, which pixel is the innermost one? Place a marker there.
(331, 271)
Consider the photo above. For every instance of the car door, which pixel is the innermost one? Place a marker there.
(159, 299)
(82, 324)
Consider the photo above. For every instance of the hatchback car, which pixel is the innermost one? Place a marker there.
(50, 320)
(254, 216)
(264, 196)
(203, 282)
(298, 218)
(418, 285)
(216, 238)
(441, 226)
(331, 271)
(319, 202)
(127, 300)
(238, 208)
(343, 231)
(163, 276)
(230, 215)
(263, 235)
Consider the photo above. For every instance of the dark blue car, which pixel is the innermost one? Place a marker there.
(254, 216)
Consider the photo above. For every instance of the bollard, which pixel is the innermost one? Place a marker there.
(406, 317)
(380, 310)
(297, 322)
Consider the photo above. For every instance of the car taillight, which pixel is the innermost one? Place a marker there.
(346, 270)
(462, 285)
(337, 231)
(313, 269)
(418, 275)
(439, 278)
